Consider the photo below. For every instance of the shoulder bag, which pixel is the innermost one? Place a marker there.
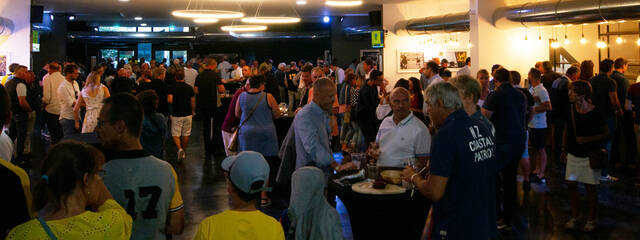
(598, 156)
(233, 145)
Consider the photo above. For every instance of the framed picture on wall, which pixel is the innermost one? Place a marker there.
(409, 61)
(5, 59)
(456, 58)
(374, 54)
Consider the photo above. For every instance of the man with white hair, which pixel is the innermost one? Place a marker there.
(402, 136)
(225, 68)
(461, 182)
(281, 78)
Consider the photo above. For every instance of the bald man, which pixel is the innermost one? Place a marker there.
(312, 132)
(402, 137)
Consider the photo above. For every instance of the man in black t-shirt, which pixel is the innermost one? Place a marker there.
(182, 102)
(16, 199)
(208, 85)
(525, 165)
(367, 103)
(505, 108)
(605, 98)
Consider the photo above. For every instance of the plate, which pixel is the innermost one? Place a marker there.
(366, 187)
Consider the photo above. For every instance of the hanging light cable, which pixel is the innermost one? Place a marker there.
(205, 13)
(619, 39)
(270, 20)
(566, 39)
(582, 39)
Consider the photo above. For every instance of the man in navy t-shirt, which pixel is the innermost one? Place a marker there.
(463, 168)
(506, 107)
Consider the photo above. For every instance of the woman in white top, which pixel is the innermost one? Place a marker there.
(90, 97)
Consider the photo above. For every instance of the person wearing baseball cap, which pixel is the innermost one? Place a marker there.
(246, 175)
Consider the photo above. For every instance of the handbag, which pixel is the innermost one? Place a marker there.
(233, 145)
(598, 156)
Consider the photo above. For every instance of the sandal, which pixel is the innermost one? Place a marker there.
(589, 226)
(265, 202)
(571, 223)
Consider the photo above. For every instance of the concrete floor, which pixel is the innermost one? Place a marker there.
(543, 211)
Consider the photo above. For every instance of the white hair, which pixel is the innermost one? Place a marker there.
(445, 92)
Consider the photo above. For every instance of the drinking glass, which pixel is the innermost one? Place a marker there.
(372, 171)
(358, 158)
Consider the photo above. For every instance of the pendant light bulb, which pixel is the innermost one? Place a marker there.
(566, 40)
(638, 42)
(601, 44)
(555, 44)
(619, 40)
(583, 40)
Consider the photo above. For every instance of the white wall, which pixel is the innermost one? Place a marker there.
(395, 12)
(491, 45)
(18, 43)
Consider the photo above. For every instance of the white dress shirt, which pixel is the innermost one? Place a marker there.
(190, 75)
(50, 83)
(223, 67)
(237, 73)
(400, 142)
(67, 95)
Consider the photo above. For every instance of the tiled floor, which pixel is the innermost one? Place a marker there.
(543, 211)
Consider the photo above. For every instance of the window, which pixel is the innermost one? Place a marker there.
(161, 55)
(180, 54)
(144, 51)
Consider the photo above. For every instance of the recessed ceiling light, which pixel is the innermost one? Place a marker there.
(218, 14)
(123, 0)
(143, 24)
(336, 3)
(301, 2)
(267, 20)
(244, 28)
(205, 20)
(138, 18)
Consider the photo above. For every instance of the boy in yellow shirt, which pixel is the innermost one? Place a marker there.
(246, 175)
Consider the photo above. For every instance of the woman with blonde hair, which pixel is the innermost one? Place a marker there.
(91, 98)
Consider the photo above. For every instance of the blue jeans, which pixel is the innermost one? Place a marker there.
(68, 127)
(611, 125)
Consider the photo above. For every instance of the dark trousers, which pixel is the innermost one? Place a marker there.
(18, 130)
(508, 156)
(558, 130)
(211, 125)
(207, 121)
(53, 125)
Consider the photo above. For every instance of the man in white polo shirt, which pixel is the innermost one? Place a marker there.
(402, 136)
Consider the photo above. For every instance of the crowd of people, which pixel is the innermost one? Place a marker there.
(459, 138)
